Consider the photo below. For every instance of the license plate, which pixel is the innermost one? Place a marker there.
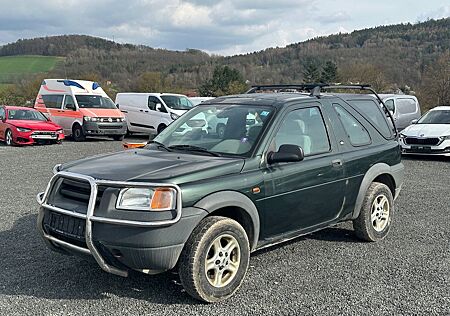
(43, 137)
(421, 148)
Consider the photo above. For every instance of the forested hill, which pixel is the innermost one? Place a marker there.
(385, 56)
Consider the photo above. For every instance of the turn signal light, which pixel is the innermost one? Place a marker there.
(163, 199)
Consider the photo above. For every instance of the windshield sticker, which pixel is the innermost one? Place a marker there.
(264, 113)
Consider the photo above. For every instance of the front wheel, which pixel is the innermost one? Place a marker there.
(215, 259)
(375, 218)
(78, 134)
(9, 138)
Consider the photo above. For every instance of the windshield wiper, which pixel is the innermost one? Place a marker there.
(194, 148)
(159, 145)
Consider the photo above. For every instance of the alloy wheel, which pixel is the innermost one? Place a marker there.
(222, 260)
(380, 212)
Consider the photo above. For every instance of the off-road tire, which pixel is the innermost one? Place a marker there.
(193, 258)
(78, 134)
(363, 225)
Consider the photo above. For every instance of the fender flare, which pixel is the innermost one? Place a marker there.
(224, 199)
(371, 174)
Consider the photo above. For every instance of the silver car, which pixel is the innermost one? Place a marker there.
(404, 108)
(430, 135)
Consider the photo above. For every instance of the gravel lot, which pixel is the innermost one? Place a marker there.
(327, 273)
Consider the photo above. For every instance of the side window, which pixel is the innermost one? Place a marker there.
(390, 105)
(406, 106)
(53, 101)
(2, 113)
(304, 128)
(356, 133)
(68, 101)
(152, 101)
(373, 113)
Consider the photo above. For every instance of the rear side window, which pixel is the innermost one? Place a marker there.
(406, 106)
(53, 101)
(373, 113)
(356, 133)
(2, 112)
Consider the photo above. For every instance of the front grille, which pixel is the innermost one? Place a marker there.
(110, 126)
(422, 141)
(66, 228)
(109, 119)
(74, 195)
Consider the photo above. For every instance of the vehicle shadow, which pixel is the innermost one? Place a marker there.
(426, 158)
(31, 269)
(331, 234)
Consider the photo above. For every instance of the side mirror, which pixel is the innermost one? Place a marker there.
(286, 153)
(414, 121)
(159, 107)
(70, 107)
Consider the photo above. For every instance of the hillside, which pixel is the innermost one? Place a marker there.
(13, 68)
(386, 56)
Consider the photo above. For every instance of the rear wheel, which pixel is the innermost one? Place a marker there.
(374, 220)
(9, 138)
(215, 259)
(220, 130)
(78, 134)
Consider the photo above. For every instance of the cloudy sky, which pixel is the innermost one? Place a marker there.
(217, 26)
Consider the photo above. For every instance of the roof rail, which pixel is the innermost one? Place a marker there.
(316, 88)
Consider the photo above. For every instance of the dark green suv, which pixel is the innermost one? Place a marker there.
(230, 176)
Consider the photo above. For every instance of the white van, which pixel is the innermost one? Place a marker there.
(404, 108)
(150, 113)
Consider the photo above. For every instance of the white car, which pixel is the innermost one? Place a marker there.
(430, 135)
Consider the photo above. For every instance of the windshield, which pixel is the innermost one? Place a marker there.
(177, 102)
(95, 102)
(27, 115)
(436, 117)
(216, 130)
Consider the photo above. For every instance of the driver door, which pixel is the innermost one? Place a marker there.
(308, 193)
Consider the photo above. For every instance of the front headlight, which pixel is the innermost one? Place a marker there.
(446, 137)
(174, 116)
(59, 130)
(21, 129)
(146, 199)
(87, 118)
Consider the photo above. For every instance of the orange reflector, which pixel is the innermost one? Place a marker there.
(133, 145)
(256, 190)
(163, 199)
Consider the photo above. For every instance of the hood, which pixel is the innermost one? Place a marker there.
(35, 125)
(152, 165)
(101, 112)
(427, 130)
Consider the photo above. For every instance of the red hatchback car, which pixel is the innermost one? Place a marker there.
(27, 126)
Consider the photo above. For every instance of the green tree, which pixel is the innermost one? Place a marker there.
(329, 73)
(150, 82)
(225, 81)
(311, 71)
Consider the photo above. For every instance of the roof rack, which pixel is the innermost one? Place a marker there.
(316, 88)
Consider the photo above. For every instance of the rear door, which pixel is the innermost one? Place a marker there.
(407, 110)
(303, 195)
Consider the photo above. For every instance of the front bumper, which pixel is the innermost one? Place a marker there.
(36, 137)
(117, 244)
(442, 149)
(104, 128)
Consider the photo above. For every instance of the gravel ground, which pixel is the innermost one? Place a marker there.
(326, 273)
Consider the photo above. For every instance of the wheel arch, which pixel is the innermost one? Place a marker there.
(236, 206)
(379, 172)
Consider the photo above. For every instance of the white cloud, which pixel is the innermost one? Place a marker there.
(217, 26)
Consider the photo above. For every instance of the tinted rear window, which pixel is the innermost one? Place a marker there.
(373, 113)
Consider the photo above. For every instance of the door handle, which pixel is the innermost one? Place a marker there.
(337, 163)
(146, 111)
(141, 110)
